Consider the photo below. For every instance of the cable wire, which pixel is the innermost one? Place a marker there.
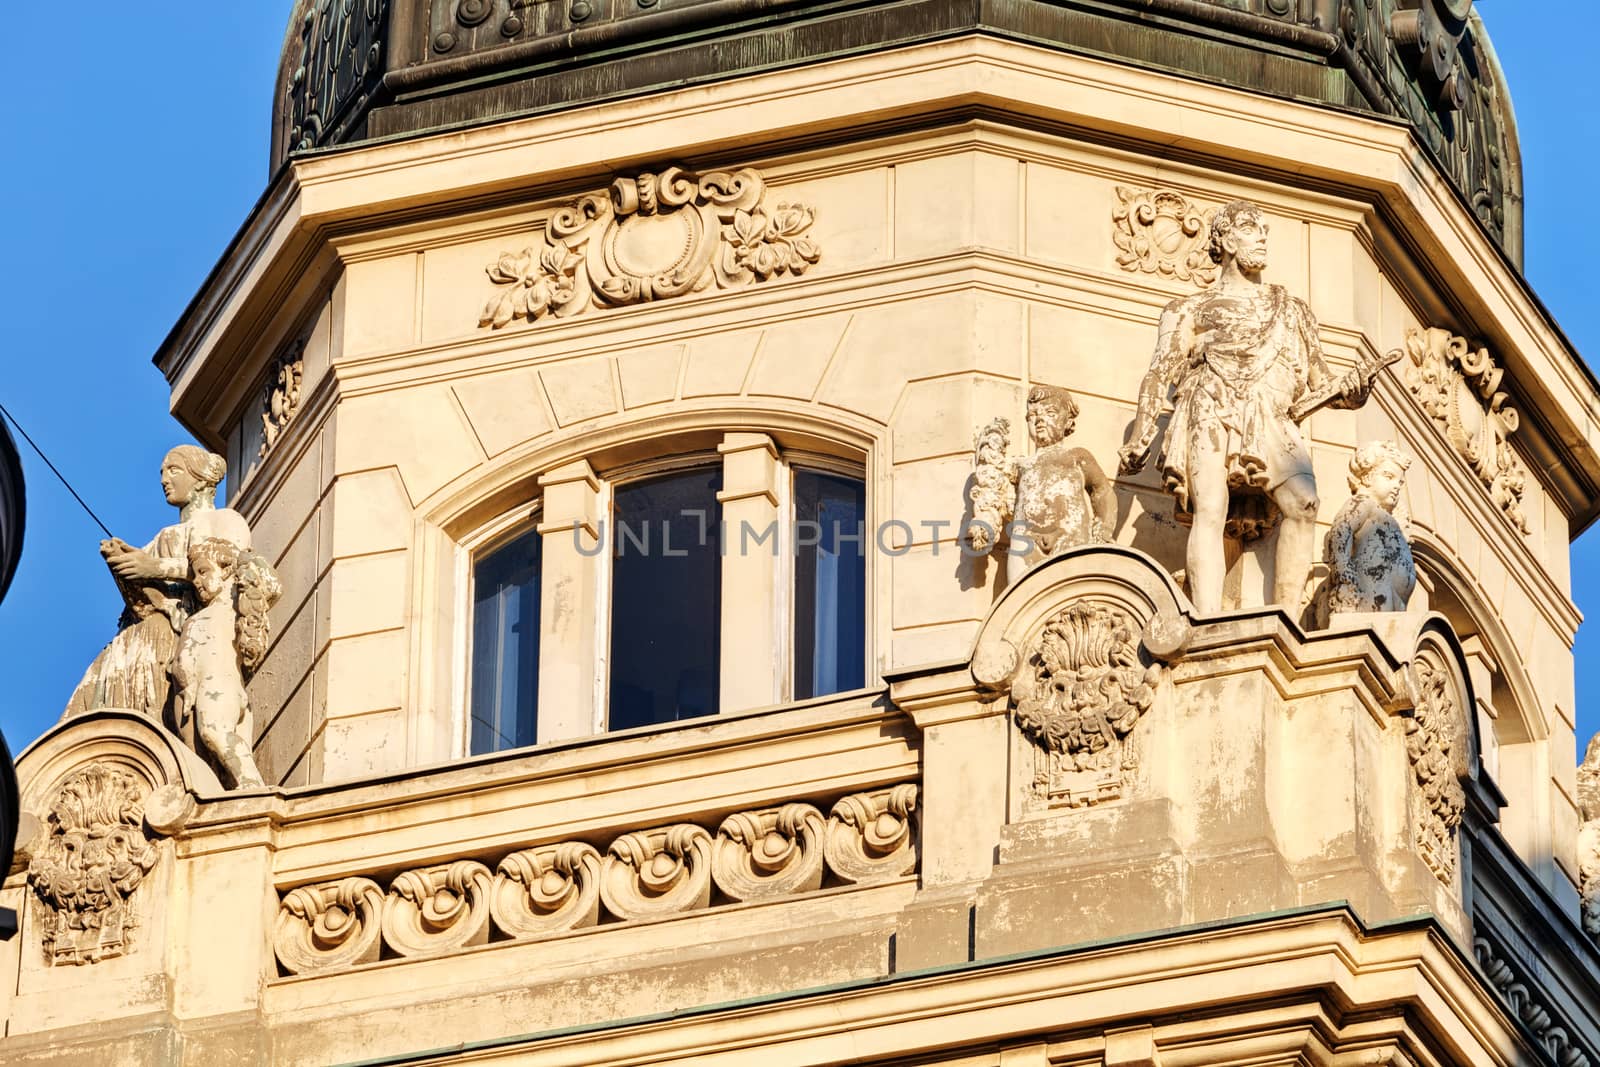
(61, 477)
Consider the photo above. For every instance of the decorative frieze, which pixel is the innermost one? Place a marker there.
(1084, 684)
(93, 857)
(759, 855)
(1521, 998)
(652, 237)
(1161, 232)
(1459, 388)
(1432, 732)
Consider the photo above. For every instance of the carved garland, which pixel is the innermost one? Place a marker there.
(652, 237)
(1522, 1001)
(1161, 232)
(1459, 388)
(1431, 735)
(93, 857)
(669, 870)
(1083, 687)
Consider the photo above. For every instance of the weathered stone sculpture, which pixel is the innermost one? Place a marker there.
(1369, 558)
(1243, 365)
(1058, 498)
(131, 671)
(1589, 838)
(221, 643)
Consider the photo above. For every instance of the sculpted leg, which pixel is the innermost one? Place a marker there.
(1297, 501)
(1208, 497)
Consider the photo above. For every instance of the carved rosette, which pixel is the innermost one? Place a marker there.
(657, 872)
(1432, 732)
(93, 857)
(1084, 686)
(438, 909)
(337, 924)
(1459, 388)
(1160, 232)
(652, 237)
(872, 836)
(545, 890)
(281, 401)
(759, 855)
(1589, 838)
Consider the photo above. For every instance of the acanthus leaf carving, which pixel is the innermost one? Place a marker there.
(336, 924)
(544, 890)
(657, 872)
(93, 856)
(652, 237)
(1432, 733)
(1084, 685)
(872, 836)
(438, 908)
(771, 853)
(1459, 388)
(1158, 231)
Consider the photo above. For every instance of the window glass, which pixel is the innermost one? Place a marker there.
(830, 583)
(505, 647)
(666, 598)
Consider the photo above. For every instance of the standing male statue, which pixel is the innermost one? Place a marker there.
(1243, 364)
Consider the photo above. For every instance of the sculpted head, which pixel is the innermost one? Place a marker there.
(1052, 414)
(1239, 229)
(212, 563)
(1378, 469)
(190, 475)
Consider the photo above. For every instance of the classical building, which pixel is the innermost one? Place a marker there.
(906, 532)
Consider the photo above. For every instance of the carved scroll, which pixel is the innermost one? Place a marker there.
(1459, 388)
(281, 401)
(322, 927)
(544, 890)
(1522, 998)
(871, 836)
(93, 857)
(1084, 685)
(1160, 232)
(772, 853)
(657, 872)
(652, 237)
(438, 908)
(1432, 732)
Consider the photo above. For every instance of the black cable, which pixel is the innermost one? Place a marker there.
(13, 420)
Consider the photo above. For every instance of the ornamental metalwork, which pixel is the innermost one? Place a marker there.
(339, 65)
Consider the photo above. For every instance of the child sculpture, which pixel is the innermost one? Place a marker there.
(221, 645)
(1059, 498)
(1369, 559)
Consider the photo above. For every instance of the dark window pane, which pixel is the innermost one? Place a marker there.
(666, 598)
(830, 584)
(505, 647)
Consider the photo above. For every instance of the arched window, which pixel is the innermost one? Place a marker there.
(505, 647)
(830, 585)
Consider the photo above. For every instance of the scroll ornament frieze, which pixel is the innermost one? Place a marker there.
(1084, 685)
(652, 237)
(1521, 997)
(93, 858)
(760, 855)
(1589, 839)
(1459, 388)
(1161, 232)
(1432, 731)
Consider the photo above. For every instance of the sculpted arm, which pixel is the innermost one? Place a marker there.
(1175, 343)
(1102, 497)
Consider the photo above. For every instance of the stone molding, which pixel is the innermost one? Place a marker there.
(652, 237)
(1521, 998)
(1158, 231)
(1459, 388)
(758, 855)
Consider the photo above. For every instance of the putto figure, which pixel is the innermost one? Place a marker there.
(131, 671)
(1369, 559)
(1243, 365)
(221, 645)
(1056, 499)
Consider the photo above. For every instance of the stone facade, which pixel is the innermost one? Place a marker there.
(1069, 818)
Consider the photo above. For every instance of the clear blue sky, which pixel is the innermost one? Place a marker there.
(137, 148)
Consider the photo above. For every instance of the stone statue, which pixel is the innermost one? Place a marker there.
(222, 642)
(1369, 559)
(1056, 499)
(1589, 838)
(131, 671)
(1243, 365)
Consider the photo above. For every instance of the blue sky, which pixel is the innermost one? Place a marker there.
(135, 152)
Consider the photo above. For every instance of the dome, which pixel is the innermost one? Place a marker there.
(357, 70)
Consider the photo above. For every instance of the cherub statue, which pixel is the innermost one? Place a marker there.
(1369, 559)
(222, 643)
(131, 671)
(1589, 839)
(1243, 366)
(1056, 499)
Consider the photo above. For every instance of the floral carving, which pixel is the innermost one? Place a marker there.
(652, 237)
(1589, 838)
(1084, 686)
(763, 854)
(282, 400)
(1432, 732)
(1161, 232)
(93, 857)
(1459, 388)
(1521, 997)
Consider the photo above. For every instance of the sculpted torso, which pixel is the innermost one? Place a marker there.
(1053, 501)
(1380, 574)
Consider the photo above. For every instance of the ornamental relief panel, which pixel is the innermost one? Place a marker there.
(765, 854)
(1459, 388)
(1434, 739)
(1158, 231)
(652, 237)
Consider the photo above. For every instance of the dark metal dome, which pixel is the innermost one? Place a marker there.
(354, 70)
